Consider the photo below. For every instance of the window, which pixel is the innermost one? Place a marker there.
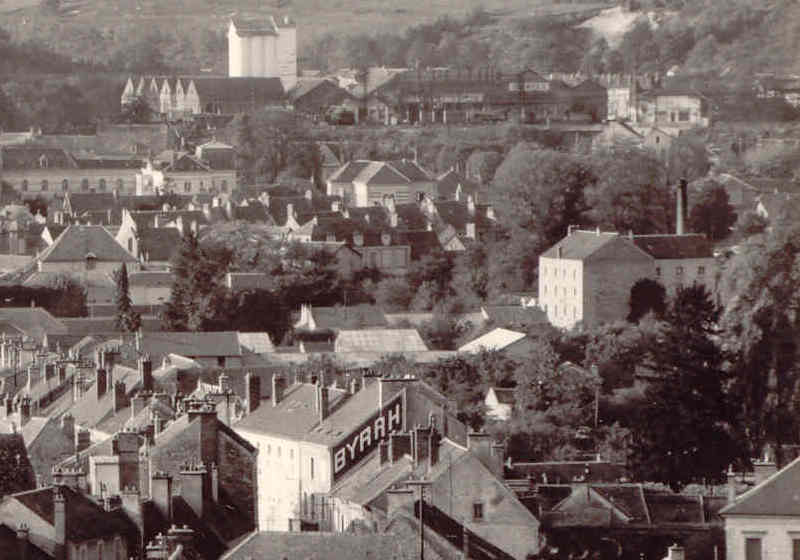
(45, 185)
(545, 289)
(752, 548)
(221, 361)
(84, 184)
(224, 186)
(24, 185)
(102, 185)
(291, 454)
(65, 185)
(658, 271)
(279, 451)
(658, 139)
(187, 186)
(679, 271)
(477, 511)
(574, 291)
(311, 469)
(269, 449)
(683, 116)
(120, 184)
(574, 274)
(701, 270)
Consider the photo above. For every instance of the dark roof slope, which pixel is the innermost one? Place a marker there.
(80, 202)
(690, 246)
(331, 546)
(246, 90)
(191, 344)
(9, 546)
(159, 244)
(94, 523)
(77, 242)
(352, 317)
(774, 497)
(579, 245)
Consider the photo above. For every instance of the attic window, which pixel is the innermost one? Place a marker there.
(477, 511)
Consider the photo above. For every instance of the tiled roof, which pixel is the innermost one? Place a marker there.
(151, 278)
(447, 184)
(371, 479)
(90, 411)
(776, 496)
(250, 25)
(515, 316)
(33, 321)
(505, 396)
(579, 244)
(410, 169)
(80, 202)
(349, 171)
(294, 416)
(496, 339)
(29, 156)
(77, 242)
(259, 91)
(9, 546)
(690, 246)
(333, 546)
(380, 340)
(94, 523)
(356, 316)
(344, 419)
(191, 344)
(159, 244)
(410, 216)
(104, 326)
(627, 498)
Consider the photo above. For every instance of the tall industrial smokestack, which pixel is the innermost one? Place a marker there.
(682, 207)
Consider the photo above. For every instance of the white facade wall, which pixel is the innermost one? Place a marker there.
(561, 291)
(30, 182)
(236, 56)
(776, 534)
(286, 478)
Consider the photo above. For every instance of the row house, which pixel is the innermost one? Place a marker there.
(36, 170)
(183, 96)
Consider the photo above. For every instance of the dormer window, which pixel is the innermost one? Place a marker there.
(91, 261)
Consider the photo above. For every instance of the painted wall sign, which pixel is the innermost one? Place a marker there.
(366, 437)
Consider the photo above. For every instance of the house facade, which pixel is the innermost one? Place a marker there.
(764, 522)
(363, 183)
(673, 108)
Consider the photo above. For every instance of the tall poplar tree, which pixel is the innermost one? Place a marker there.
(127, 319)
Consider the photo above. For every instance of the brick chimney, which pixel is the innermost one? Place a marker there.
(23, 542)
(125, 445)
(68, 426)
(324, 401)
(24, 411)
(206, 412)
(132, 505)
(278, 388)
(62, 373)
(59, 523)
(399, 445)
(252, 383)
(83, 439)
(120, 396)
(421, 444)
(100, 382)
(192, 486)
(161, 493)
(146, 373)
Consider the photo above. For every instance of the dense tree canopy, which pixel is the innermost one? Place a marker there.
(713, 214)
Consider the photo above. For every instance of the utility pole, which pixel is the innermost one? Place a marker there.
(421, 484)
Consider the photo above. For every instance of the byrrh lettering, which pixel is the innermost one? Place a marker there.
(366, 437)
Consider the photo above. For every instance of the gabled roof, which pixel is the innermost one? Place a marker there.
(80, 202)
(254, 26)
(380, 340)
(496, 339)
(32, 321)
(776, 496)
(258, 91)
(331, 546)
(505, 396)
(294, 416)
(356, 316)
(159, 244)
(32, 156)
(94, 523)
(76, 243)
(448, 182)
(410, 169)
(578, 245)
(689, 246)
(191, 344)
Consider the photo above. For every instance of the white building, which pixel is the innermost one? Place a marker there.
(263, 48)
(764, 522)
